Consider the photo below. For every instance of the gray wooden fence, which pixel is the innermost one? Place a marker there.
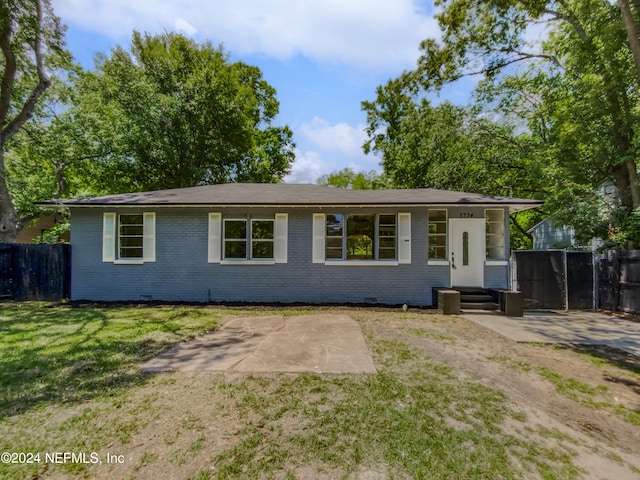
(619, 280)
(35, 272)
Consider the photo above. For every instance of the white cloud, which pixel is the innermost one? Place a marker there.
(184, 26)
(325, 148)
(341, 137)
(306, 168)
(359, 33)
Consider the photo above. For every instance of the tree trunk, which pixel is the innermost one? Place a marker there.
(632, 34)
(634, 186)
(8, 214)
(621, 180)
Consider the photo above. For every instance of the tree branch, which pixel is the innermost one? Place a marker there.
(570, 18)
(514, 220)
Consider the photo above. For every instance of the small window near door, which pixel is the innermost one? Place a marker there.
(437, 234)
(495, 234)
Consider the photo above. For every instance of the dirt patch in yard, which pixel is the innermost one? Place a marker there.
(590, 390)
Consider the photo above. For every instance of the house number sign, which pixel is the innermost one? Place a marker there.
(466, 215)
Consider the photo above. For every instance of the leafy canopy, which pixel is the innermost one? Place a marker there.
(174, 113)
(556, 119)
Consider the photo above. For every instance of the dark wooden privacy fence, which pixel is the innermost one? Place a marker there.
(619, 280)
(35, 272)
(555, 279)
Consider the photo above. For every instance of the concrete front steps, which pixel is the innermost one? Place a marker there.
(478, 298)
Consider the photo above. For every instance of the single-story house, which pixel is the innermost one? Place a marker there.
(288, 243)
(548, 236)
(35, 231)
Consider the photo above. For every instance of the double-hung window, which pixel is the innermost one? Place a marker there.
(437, 234)
(246, 239)
(129, 237)
(495, 234)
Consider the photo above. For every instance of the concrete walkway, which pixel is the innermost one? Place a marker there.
(586, 328)
(306, 343)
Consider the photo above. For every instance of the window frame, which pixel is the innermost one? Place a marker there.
(445, 222)
(271, 240)
(234, 240)
(119, 248)
(248, 240)
(344, 227)
(491, 235)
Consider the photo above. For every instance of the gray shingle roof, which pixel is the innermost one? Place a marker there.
(281, 194)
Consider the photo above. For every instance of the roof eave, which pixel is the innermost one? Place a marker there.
(513, 207)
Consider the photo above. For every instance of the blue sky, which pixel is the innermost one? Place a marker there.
(324, 57)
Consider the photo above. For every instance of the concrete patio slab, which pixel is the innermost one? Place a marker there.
(308, 343)
(585, 328)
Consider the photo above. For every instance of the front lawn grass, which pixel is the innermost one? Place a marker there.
(51, 355)
(70, 382)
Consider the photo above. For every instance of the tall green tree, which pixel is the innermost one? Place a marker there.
(30, 45)
(348, 178)
(174, 113)
(572, 99)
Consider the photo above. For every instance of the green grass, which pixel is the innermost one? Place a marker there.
(65, 355)
(69, 377)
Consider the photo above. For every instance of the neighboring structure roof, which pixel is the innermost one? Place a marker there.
(299, 195)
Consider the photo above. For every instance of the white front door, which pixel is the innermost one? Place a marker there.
(467, 251)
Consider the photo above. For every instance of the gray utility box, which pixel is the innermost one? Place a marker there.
(512, 303)
(449, 302)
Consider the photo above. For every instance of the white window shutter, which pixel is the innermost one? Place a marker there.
(108, 237)
(215, 229)
(404, 238)
(149, 237)
(280, 234)
(318, 237)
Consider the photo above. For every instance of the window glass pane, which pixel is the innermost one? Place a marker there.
(131, 242)
(387, 220)
(440, 228)
(235, 229)
(387, 254)
(387, 242)
(235, 249)
(437, 215)
(360, 233)
(262, 249)
(131, 220)
(130, 252)
(334, 225)
(437, 253)
(334, 242)
(465, 248)
(437, 241)
(333, 253)
(131, 229)
(387, 231)
(262, 229)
